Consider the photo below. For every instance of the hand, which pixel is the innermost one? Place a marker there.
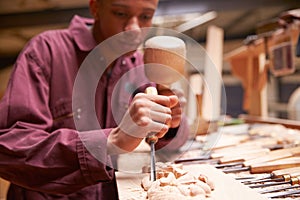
(176, 109)
(146, 114)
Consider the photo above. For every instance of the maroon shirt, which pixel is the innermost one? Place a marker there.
(41, 152)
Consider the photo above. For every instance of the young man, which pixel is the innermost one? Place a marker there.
(42, 152)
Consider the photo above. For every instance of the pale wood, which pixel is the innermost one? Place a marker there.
(291, 171)
(164, 59)
(211, 104)
(247, 64)
(263, 90)
(226, 187)
(274, 155)
(3, 188)
(243, 157)
(269, 120)
(275, 165)
(258, 45)
(4, 78)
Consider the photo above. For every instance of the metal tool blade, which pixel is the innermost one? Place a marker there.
(269, 184)
(268, 176)
(264, 181)
(292, 181)
(152, 165)
(236, 169)
(199, 158)
(245, 179)
(282, 194)
(234, 164)
(279, 189)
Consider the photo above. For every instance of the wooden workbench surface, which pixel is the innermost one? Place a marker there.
(226, 187)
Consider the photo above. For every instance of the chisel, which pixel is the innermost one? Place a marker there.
(292, 181)
(266, 167)
(164, 59)
(279, 189)
(152, 139)
(277, 175)
(275, 165)
(240, 152)
(283, 194)
(285, 177)
(267, 163)
(226, 154)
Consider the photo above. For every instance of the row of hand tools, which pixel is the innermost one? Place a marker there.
(268, 163)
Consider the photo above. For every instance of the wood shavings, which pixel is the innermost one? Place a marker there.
(173, 182)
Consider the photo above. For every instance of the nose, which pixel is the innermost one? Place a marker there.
(132, 24)
(132, 28)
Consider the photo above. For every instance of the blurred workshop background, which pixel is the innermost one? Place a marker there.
(244, 24)
(22, 19)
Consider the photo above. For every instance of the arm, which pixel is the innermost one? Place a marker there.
(31, 154)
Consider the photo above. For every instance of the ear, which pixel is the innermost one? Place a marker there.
(94, 7)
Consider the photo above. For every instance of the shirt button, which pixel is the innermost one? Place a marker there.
(123, 62)
(78, 111)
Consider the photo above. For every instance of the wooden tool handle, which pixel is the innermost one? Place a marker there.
(275, 155)
(293, 171)
(269, 157)
(243, 157)
(151, 90)
(151, 138)
(269, 167)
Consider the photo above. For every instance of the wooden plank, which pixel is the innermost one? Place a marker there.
(212, 73)
(269, 120)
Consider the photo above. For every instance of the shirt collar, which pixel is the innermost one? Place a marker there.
(82, 34)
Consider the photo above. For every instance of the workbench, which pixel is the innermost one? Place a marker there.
(228, 185)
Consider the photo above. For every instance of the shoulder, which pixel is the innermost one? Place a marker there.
(42, 45)
(50, 39)
(40, 51)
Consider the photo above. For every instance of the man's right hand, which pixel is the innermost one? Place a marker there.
(146, 114)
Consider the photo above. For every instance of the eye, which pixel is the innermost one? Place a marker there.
(146, 17)
(120, 14)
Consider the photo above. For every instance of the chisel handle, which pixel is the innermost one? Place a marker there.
(151, 138)
(269, 167)
(293, 171)
(274, 155)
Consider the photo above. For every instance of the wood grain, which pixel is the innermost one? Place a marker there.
(226, 187)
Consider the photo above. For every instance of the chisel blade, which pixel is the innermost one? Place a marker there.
(236, 169)
(282, 194)
(293, 181)
(152, 164)
(264, 181)
(279, 189)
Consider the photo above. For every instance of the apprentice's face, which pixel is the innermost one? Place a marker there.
(115, 16)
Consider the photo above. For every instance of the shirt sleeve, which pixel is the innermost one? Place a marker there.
(31, 154)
